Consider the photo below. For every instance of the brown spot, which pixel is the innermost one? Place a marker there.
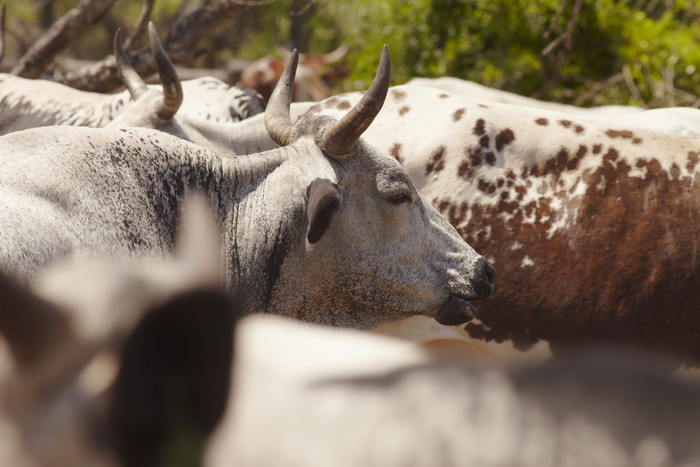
(693, 158)
(483, 106)
(542, 121)
(503, 138)
(443, 95)
(675, 171)
(597, 148)
(458, 114)
(443, 206)
(344, 104)
(395, 151)
(486, 187)
(475, 156)
(403, 110)
(573, 162)
(464, 169)
(578, 129)
(484, 141)
(626, 134)
(636, 140)
(436, 162)
(565, 123)
(500, 182)
(480, 127)
(398, 94)
(490, 158)
(611, 155)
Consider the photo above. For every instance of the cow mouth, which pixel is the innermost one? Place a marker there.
(455, 310)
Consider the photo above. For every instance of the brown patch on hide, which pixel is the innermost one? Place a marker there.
(397, 94)
(490, 158)
(565, 123)
(625, 269)
(480, 127)
(344, 104)
(458, 114)
(542, 121)
(403, 110)
(692, 161)
(504, 138)
(443, 95)
(436, 162)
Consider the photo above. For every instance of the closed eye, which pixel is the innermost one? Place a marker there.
(400, 198)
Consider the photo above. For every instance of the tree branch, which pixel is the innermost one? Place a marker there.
(180, 45)
(61, 34)
(567, 36)
(141, 23)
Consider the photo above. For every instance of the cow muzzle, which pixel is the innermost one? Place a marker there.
(457, 309)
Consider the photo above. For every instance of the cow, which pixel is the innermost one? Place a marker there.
(325, 229)
(312, 396)
(110, 363)
(479, 91)
(316, 72)
(28, 103)
(589, 222)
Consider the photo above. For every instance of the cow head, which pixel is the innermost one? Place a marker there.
(373, 248)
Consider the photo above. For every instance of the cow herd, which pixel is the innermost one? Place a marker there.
(176, 262)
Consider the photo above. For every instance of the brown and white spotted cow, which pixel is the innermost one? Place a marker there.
(315, 74)
(592, 224)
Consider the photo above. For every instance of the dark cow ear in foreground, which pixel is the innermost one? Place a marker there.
(31, 326)
(324, 201)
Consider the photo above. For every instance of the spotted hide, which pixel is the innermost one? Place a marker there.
(592, 225)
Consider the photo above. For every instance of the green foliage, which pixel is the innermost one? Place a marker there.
(640, 52)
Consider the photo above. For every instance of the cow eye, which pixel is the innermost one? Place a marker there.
(400, 198)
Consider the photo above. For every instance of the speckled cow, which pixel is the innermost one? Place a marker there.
(318, 229)
(593, 226)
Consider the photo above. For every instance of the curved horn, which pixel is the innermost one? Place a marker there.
(131, 79)
(277, 121)
(172, 90)
(341, 137)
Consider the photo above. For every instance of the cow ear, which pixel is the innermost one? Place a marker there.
(324, 201)
(32, 327)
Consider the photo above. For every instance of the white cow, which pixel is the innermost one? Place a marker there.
(325, 228)
(311, 396)
(109, 363)
(589, 220)
(184, 109)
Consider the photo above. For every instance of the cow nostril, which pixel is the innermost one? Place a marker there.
(490, 273)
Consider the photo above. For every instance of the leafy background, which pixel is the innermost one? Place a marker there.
(583, 52)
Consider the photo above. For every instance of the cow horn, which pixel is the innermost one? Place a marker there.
(277, 121)
(131, 79)
(172, 90)
(341, 137)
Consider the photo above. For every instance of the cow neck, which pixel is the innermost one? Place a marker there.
(263, 221)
